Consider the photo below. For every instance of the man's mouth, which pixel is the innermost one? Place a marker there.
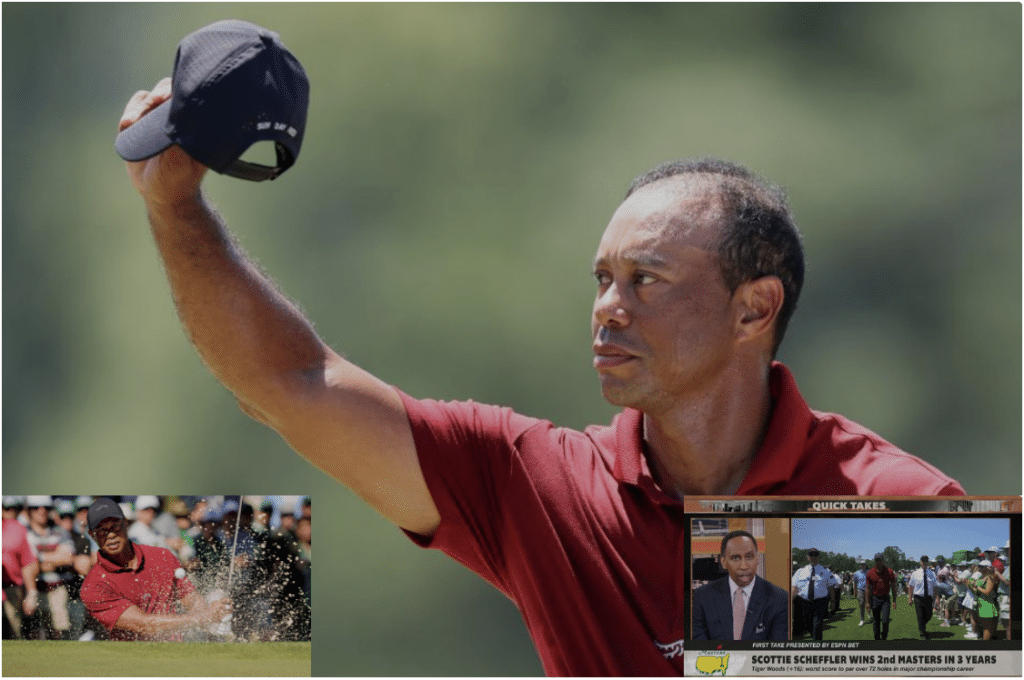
(608, 355)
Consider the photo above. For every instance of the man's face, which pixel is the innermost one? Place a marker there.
(111, 536)
(67, 522)
(924, 564)
(146, 515)
(741, 559)
(812, 558)
(662, 318)
(304, 530)
(38, 514)
(879, 564)
(81, 519)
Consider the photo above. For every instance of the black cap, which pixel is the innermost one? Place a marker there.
(813, 551)
(878, 556)
(924, 558)
(101, 509)
(234, 84)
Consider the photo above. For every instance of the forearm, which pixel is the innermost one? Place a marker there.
(152, 625)
(252, 337)
(198, 614)
(29, 574)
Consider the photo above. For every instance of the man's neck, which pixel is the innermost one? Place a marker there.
(706, 446)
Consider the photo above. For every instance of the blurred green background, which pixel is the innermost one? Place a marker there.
(459, 165)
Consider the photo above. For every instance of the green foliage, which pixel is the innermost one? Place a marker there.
(895, 558)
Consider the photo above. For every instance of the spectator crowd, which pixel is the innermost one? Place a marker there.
(972, 593)
(257, 550)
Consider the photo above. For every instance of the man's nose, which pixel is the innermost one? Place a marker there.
(610, 308)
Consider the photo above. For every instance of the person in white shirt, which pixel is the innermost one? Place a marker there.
(812, 590)
(1004, 594)
(141, 531)
(921, 593)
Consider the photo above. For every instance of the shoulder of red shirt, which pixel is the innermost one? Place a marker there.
(145, 552)
(804, 452)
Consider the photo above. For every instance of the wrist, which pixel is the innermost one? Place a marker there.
(176, 204)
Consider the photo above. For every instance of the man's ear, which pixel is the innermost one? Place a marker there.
(758, 302)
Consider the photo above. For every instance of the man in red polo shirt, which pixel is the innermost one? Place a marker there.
(697, 275)
(140, 592)
(881, 581)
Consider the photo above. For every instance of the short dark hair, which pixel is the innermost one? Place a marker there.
(733, 534)
(759, 235)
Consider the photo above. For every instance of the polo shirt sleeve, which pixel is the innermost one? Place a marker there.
(103, 602)
(466, 453)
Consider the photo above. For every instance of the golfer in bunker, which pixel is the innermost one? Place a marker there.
(140, 592)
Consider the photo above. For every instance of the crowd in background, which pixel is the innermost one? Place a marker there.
(255, 549)
(972, 593)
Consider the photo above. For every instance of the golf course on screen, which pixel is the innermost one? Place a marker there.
(32, 658)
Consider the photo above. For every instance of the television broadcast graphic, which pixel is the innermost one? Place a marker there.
(854, 586)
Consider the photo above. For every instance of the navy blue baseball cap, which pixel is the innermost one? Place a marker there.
(101, 509)
(234, 84)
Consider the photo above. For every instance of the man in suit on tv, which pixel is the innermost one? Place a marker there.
(743, 606)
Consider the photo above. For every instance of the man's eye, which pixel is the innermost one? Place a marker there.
(602, 278)
(645, 279)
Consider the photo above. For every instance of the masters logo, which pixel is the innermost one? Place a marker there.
(711, 663)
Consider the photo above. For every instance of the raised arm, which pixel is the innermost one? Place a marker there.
(254, 340)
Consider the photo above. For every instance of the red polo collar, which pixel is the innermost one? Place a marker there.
(114, 568)
(776, 459)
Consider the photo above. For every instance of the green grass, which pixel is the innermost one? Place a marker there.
(902, 624)
(105, 659)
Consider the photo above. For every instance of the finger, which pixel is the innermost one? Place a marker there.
(143, 101)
